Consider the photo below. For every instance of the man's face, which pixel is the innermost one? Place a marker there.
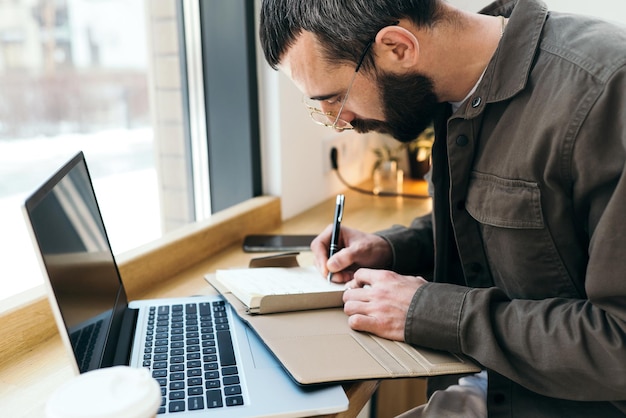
(398, 105)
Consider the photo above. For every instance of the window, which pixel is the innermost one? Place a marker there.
(228, 39)
(118, 79)
(74, 76)
(221, 89)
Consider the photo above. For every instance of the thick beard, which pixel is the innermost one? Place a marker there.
(409, 103)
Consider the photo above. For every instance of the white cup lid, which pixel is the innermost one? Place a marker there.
(107, 393)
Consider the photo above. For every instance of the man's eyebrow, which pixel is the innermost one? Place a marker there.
(324, 97)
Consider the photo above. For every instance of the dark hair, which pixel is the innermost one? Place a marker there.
(343, 27)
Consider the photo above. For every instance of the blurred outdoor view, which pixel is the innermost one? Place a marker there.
(73, 77)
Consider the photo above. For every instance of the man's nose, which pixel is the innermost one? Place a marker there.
(332, 111)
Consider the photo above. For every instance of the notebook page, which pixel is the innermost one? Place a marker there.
(276, 281)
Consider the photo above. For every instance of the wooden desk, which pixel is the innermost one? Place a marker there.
(32, 360)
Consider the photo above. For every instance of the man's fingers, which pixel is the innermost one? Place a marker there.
(320, 247)
(363, 277)
(340, 261)
(362, 323)
(353, 306)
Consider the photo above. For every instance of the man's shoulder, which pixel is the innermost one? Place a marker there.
(595, 45)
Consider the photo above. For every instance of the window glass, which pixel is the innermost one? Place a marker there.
(73, 76)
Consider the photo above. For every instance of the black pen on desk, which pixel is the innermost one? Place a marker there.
(334, 238)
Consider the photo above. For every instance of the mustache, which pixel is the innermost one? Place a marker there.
(397, 132)
(367, 125)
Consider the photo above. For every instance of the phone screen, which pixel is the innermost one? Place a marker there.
(269, 243)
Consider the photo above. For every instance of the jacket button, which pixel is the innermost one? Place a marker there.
(462, 140)
(476, 101)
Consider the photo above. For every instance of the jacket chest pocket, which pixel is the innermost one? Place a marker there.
(521, 253)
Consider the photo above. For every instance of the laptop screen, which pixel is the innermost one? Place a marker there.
(75, 251)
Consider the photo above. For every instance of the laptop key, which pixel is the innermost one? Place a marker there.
(195, 403)
(177, 394)
(178, 385)
(177, 376)
(212, 384)
(234, 400)
(192, 364)
(177, 368)
(231, 390)
(225, 346)
(205, 308)
(214, 398)
(177, 406)
(160, 365)
(231, 380)
(195, 390)
(194, 372)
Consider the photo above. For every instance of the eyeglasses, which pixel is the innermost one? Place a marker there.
(326, 118)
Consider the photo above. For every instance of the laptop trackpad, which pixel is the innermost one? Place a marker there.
(261, 356)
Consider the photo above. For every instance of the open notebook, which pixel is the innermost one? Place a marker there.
(205, 359)
(279, 289)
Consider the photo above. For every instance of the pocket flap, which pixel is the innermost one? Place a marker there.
(504, 203)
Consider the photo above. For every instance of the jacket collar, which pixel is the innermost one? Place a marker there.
(509, 69)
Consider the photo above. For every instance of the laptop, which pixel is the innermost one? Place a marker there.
(206, 360)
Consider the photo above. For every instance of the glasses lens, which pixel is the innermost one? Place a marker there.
(342, 125)
(329, 120)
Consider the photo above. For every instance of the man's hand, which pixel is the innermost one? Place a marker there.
(377, 301)
(358, 249)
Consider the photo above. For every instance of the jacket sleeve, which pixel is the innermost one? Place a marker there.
(560, 347)
(412, 247)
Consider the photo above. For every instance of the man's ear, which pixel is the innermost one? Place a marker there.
(396, 49)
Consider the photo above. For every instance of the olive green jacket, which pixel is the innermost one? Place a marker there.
(528, 232)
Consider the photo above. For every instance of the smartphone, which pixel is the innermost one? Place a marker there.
(281, 242)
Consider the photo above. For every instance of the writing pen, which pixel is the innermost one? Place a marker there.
(334, 238)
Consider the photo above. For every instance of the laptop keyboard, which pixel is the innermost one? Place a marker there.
(189, 351)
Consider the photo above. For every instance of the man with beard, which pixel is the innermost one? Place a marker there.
(526, 241)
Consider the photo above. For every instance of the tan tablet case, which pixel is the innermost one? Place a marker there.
(318, 346)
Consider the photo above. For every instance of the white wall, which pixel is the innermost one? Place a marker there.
(291, 143)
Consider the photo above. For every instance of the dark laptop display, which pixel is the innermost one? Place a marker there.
(75, 249)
